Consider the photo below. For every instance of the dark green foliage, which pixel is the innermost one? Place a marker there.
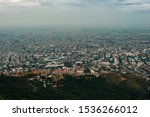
(68, 64)
(83, 87)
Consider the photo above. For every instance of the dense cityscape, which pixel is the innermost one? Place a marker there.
(75, 53)
(45, 58)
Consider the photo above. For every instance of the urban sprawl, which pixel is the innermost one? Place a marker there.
(54, 53)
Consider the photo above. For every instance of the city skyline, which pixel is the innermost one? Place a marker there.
(104, 13)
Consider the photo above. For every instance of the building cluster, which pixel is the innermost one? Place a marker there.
(74, 53)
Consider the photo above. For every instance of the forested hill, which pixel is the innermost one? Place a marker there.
(107, 86)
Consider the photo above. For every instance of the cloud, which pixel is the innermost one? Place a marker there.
(62, 3)
(75, 12)
(135, 5)
(19, 3)
(125, 5)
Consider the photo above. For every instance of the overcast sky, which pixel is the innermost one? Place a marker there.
(75, 12)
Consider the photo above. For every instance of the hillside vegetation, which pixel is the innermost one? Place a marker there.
(105, 87)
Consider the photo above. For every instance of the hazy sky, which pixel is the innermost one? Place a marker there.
(75, 12)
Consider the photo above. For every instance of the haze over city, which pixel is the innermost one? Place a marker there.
(104, 13)
(75, 49)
